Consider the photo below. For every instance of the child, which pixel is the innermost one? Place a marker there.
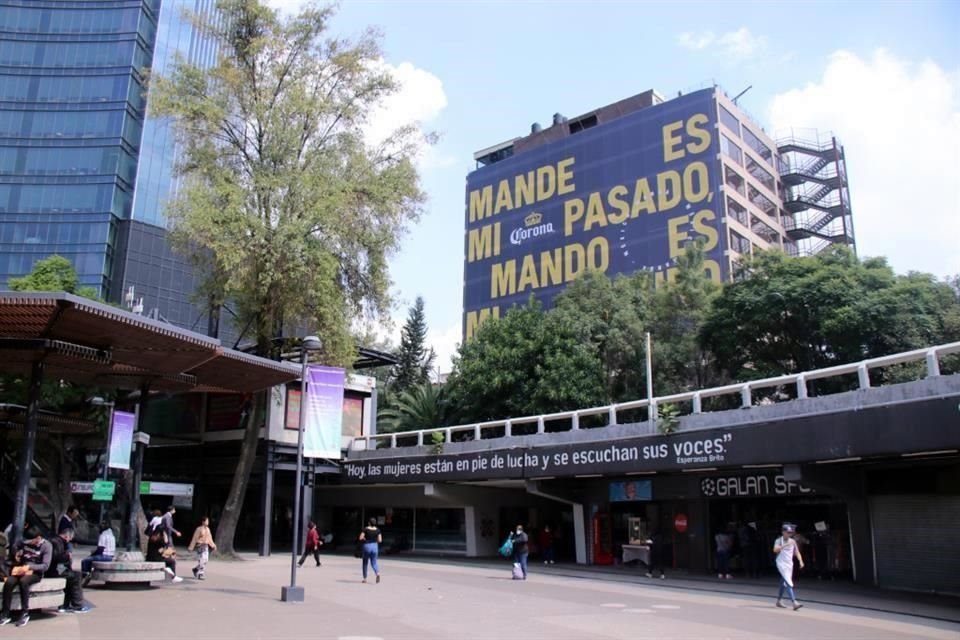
(203, 543)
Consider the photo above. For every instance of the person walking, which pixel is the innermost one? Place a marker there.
(167, 521)
(106, 548)
(371, 537)
(657, 552)
(546, 545)
(202, 542)
(520, 549)
(30, 562)
(312, 544)
(787, 549)
(724, 542)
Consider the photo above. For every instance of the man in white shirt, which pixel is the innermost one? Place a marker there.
(106, 549)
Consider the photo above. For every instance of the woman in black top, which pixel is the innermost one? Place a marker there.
(371, 538)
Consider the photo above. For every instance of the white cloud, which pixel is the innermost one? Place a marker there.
(696, 41)
(737, 44)
(900, 125)
(741, 43)
(445, 344)
(419, 99)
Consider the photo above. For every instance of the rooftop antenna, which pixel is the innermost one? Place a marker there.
(740, 95)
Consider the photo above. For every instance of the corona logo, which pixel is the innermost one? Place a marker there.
(533, 219)
(533, 227)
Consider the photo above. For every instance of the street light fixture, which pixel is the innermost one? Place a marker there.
(293, 593)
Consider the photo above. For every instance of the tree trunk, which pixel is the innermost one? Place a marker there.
(230, 517)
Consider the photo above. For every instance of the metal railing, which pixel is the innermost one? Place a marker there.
(930, 356)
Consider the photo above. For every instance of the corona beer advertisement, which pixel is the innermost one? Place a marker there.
(621, 197)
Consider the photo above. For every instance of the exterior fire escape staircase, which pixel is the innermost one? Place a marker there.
(817, 194)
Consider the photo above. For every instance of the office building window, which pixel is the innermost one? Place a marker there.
(729, 148)
(734, 180)
(764, 230)
(757, 145)
(739, 244)
(762, 202)
(738, 212)
(729, 120)
(763, 176)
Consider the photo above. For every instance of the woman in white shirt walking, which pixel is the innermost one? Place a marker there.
(787, 549)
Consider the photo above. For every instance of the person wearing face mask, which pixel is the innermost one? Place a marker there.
(787, 549)
(520, 552)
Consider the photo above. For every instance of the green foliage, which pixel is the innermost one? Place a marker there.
(526, 363)
(681, 309)
(437, 440)
(611, 316)
(668, 418)
(416, 359)
(793, 314)
(287, 209)
(423, 407)
(53, 273)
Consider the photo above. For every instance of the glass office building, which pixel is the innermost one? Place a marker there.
(83, 172)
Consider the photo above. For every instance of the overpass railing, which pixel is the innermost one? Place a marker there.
(931, 356)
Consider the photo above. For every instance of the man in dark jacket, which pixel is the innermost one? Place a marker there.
(31, 560)
(61, 566)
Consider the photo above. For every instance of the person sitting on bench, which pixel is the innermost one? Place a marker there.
(30, 561)
(106, 548)
(61, 566)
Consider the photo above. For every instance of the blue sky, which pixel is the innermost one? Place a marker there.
(884, 76)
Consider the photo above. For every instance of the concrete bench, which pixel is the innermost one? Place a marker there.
(130, 568)
(46, 594)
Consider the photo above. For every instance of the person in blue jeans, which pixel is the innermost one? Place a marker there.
(370, 538)
(520, 550)
(106, 548)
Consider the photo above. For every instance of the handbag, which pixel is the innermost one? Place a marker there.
(358, 550)
(506, 549)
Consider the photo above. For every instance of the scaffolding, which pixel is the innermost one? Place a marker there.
(816, 193)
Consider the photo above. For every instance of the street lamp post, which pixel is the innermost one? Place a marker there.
(100, 402)
(293, 593)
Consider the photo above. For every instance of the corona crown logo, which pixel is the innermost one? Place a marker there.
(533, 219)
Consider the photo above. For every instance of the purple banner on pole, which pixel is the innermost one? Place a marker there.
(323, 428)
(121, 439)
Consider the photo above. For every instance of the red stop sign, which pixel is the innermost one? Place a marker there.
(680, 523)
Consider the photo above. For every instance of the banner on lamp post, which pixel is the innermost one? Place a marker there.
(121, 440)
(323, 426)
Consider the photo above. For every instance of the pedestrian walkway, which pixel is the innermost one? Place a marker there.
(836, 593)
(439, 599)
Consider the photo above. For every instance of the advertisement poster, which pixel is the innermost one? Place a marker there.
(121, 440)
(324, 413)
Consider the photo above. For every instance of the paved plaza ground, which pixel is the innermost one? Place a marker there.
(433, 599)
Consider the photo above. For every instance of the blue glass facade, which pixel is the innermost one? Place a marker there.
(83, 172)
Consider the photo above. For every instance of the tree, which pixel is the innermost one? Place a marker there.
(785, 315)
(415, 358)
(681, 308)
(425, 406)
(612, 316)
(288, 211)
(53, 273)
(525, 363)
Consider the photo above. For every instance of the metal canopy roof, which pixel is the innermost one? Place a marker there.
(15, 415)
(88, 342)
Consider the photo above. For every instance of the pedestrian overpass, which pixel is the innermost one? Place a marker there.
(886, 448)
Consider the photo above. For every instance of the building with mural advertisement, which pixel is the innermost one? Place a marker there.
(625, 187)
